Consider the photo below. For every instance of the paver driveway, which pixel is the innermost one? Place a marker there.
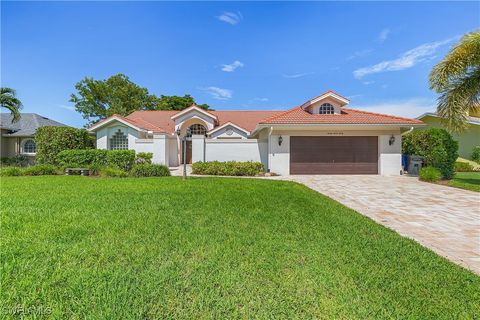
(444, 219)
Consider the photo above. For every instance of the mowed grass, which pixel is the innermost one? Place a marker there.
(466, 180)
(163, 248)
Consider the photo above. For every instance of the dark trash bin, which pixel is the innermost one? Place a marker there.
(414, 165)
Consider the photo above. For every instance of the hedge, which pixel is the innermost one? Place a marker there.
(52, 140)
(229, 168)
(149, 170)
(463, 167)
(430, 174)
(37, 170)
(436, 146)
(123, 159)
(476, 154)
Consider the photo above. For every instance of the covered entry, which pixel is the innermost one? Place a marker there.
(334, 155)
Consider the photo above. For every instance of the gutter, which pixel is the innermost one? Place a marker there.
(407, 132)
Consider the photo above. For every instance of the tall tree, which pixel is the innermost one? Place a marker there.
(178, 103)
(9, 100)
(98, 99)
(457, 79)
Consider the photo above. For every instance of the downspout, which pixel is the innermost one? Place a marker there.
(407, 132)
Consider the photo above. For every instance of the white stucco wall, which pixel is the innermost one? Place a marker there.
(173, 151)
(198, 148)
(222, 133)
(389, 156)
(157, 145)
(279, 155)
(235, 150)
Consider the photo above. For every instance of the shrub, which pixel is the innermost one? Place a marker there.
(229, 168)
(123, 159)
(113, 172)
(436, 146)
(16, 161)
(430, 174)
(51, 140)
(82, 158)
(144, 157)
(98, 158)
(40, 170)
(461, 166)
(10, 171)
(149, 170)
(476, 154)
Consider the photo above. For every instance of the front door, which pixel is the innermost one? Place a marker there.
(189, 151)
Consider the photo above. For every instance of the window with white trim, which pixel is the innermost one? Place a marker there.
(197, 129)
(326, 108)
(119, 141)
(29, 146)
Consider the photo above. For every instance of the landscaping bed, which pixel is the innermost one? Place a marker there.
(212, 248)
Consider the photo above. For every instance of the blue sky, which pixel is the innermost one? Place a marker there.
(232, 55)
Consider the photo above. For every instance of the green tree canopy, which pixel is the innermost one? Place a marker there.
(457, 79)
(98, 99)
(178, 103)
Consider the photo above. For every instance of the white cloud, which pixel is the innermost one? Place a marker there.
(231, 67)
(69, 108)
(384, 35)
(261, 99)
(358, 54)
(218, 93)
(296, 75)
(231, 17)
(410, 108)
(406, 60)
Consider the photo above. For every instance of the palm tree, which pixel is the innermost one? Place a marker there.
(9, 100)
(457, 79)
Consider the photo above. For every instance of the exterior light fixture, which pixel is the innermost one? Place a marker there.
(280, 140)
(391, 140)
(178, 131)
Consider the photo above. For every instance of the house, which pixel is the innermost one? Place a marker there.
(467, 139)
(18, 138)
(320, 136)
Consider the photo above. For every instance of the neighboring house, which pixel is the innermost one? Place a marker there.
(321, 136)
(466, 140)
(18, 138)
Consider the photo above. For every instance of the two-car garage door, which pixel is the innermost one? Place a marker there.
(334, 155)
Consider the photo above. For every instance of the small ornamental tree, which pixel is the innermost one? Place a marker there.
(50, 140)
(437, 148)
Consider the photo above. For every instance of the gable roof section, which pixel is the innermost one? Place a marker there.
(193, 107)
(298, 115)
(27, 125)
(246, 120)
(136, 123)
(227, 124)
(327, 94)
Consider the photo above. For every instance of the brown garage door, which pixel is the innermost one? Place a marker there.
(334, 155)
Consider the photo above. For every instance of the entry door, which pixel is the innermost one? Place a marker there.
(189, 151)
(334, 155)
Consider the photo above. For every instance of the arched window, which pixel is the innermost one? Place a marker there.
(197, 129)
(119, 141)
(29, 146)
(326, 108)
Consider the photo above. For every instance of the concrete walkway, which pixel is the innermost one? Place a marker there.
(444, 219)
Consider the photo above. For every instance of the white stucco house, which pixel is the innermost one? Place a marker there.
(320, 136)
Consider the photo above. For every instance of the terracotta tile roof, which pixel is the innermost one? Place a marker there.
(247, 120)
(348, 116)
(137, 122)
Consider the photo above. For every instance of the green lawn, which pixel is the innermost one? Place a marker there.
(159, 248)
(466, 180)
